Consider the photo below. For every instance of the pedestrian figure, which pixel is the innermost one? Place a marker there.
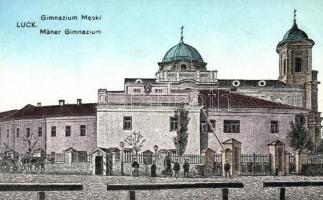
(135, 167)
(227, 168)
(153, 169)
(176, 168)
(186, 167)
(168, 165)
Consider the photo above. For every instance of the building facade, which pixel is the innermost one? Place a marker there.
(52, 128)
(254, 112)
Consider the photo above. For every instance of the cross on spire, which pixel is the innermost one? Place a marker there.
(182, 37)
(295, 15)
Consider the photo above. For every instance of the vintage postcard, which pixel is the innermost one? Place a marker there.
(187, 99)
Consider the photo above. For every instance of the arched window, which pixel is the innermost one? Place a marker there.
(183, 67)
(298, 64)
(285, 67)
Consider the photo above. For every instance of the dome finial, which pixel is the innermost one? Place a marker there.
(295, 15)
(182, 37)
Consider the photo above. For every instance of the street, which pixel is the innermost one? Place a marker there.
(94, 187)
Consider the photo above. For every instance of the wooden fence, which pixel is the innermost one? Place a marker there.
(59, 157)
(128, 157)
(76, 157)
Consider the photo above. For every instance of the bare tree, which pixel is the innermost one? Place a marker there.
(6, 149)
(136, 141)
(30, 141)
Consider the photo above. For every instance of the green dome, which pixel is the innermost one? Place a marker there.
(295, 34)
(182, 51)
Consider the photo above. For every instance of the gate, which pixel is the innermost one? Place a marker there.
(255, 164)
(292, 164)
(217, 169)
(109, 164)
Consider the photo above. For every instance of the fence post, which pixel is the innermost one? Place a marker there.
(300, 159)
(225, 194)
(254, 164)
(131, 195)
(40, 195)
(270, 171)
(282, 194)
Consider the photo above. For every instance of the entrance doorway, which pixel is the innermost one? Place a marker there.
(99, 165)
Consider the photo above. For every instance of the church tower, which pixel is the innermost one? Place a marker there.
(295, 69)
(295, 56)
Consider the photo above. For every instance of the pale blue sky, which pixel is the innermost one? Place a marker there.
(237, 38)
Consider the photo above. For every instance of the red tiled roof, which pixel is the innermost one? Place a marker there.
(30, 111)
(237, 101)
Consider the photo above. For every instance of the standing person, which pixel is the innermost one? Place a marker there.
(135, 167)
(153, 169)
(176, 168)
(186, 167)
(227, 168)
(168, 165)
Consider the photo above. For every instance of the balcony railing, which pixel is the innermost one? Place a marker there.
(176, 76)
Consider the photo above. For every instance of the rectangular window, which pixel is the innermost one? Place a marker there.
(274, 126)
(127, 123)
(82, 130)
(159, 91)
(231, 126)
(213, 125)
(18, 132)
(27, 132)
(173, 123)
(82, 156)
(53, 131)
(204, 127)
(67, 131)
(40, 131)
(7, 133)
(136, 90)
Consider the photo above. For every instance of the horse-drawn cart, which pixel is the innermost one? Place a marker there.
(21, 163)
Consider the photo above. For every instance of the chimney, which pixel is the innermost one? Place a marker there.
(61, 102)
(39, 104)
(79, 101)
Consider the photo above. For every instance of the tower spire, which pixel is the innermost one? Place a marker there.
(295, 15)
(182, 37)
